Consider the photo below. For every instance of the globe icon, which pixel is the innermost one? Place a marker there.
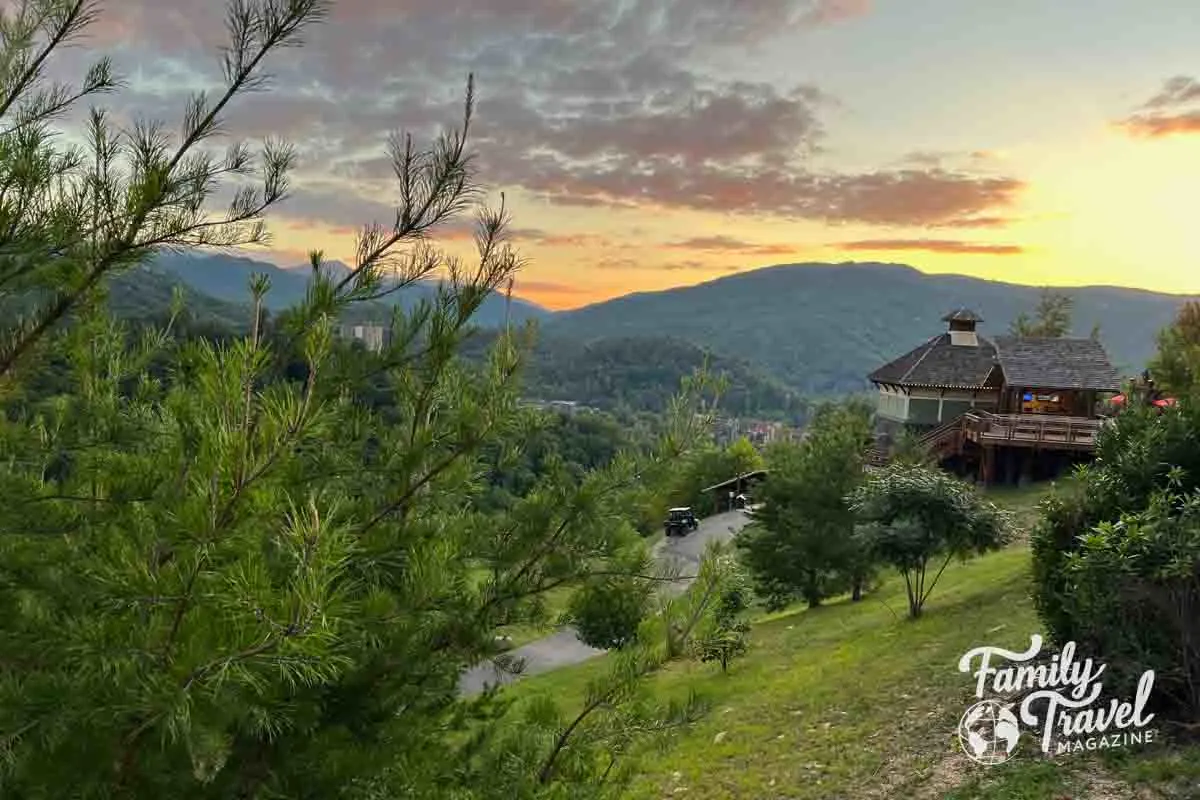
(989, 732)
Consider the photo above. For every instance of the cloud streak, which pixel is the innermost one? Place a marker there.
(931, 246)
(1167, 113)
(730, 244)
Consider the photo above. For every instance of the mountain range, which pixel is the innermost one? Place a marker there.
(780, 332)
(821, 328)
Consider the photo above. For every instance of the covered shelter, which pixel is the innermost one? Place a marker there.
(734, 493)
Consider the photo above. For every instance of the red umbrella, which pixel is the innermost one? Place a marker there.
(1118, 400)
(1164, 402)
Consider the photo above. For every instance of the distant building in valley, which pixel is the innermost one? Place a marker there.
(568, 407)
(760, 433)
(372, 336)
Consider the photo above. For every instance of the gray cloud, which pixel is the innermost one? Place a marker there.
(594, 104)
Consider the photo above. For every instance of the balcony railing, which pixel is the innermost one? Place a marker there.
(1031, 430)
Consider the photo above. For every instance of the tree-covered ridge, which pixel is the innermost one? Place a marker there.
(634, 374)
(815, 329)
(822, 328)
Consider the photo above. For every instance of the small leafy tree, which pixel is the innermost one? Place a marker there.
(1176, 365)
(914, 517)
(801, 543)
(724, 638)
(724, 643)
(1051, 318)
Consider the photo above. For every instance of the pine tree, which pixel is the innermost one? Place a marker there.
(221, 574)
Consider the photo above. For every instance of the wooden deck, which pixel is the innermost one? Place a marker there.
(988, 431)
(1037, 431)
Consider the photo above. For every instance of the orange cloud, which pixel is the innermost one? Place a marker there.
(1160, 116)
(723, 243)
(932, 246)
(691, 264)
(976, 222)
(538, 236)
(1157, 126)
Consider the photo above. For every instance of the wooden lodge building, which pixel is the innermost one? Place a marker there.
(1002, 408)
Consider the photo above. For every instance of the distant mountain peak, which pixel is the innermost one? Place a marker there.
(227, 276)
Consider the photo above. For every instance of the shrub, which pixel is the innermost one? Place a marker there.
(607, 613)
(1116, 558)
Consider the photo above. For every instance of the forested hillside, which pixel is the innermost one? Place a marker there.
(642, 373)
(821, 328)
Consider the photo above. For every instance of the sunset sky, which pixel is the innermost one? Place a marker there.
(644, 144)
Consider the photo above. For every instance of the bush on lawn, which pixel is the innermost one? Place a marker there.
(1116, 558)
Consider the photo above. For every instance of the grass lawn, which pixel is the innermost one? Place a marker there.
(851, 700)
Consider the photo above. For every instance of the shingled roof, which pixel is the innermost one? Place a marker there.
(939, 364)
(1056, 363)
(1027, 362)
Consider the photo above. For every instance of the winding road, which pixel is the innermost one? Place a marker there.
(564, 648)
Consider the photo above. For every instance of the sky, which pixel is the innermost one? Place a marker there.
(646, 144)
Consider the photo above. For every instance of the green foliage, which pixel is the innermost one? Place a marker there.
(546, 442)
(1051, 319)
(908, 449)
(801, 543)
(257, 565)
(723, 644)
(724, 639)
(1114, 556)
(1135, 591)
(1176, 365)
(1136, 455)
(607, 613)
(637, 373)
(912, 516)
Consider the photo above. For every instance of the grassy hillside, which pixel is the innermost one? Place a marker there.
(822, 328)
(853, 701)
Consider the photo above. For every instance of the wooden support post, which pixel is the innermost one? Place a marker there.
(987, 471)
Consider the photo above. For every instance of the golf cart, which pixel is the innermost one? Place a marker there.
(680, 521)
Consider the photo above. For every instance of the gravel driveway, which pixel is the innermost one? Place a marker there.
(564, 648)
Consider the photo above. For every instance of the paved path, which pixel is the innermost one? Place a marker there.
(564, 648)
